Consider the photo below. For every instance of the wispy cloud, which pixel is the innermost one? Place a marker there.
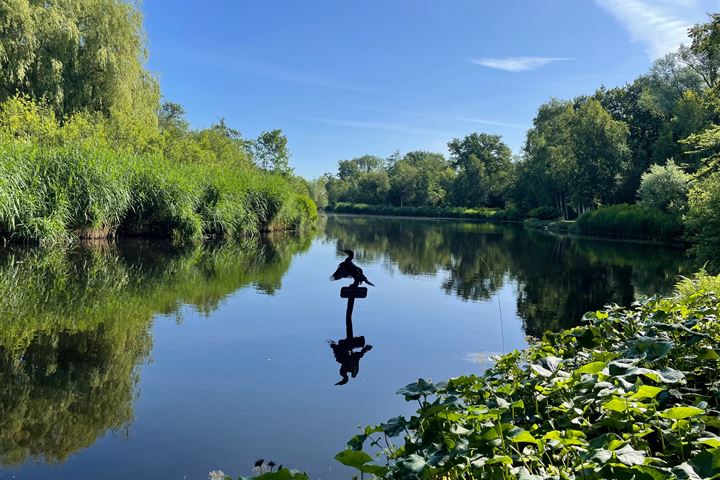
(516, 64)
(491, 122)
(292, 76)
(435, 116)
(659, 25)
(227, 62)
(372, 125)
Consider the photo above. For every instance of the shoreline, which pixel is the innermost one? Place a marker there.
(676, 244)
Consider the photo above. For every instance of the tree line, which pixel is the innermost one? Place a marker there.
(653, 143)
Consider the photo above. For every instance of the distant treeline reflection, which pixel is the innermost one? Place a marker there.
(558, 278)
(75, 325)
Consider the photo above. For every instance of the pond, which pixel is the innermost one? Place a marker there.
(145, 360)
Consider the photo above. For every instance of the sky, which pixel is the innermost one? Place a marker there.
(346, 78)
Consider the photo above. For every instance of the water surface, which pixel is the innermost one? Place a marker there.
(145, 360)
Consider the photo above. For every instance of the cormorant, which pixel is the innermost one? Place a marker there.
(347, 269)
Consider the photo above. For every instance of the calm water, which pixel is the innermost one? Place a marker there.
(142, 360)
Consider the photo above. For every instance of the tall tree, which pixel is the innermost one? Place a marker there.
(484, 167)
(271, 153)
(703, 55)
(77, 55)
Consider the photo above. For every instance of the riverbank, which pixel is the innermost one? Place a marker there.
(489, 214)
(618, 222)
(55, 193)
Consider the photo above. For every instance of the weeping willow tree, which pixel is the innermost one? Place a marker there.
(80, 56)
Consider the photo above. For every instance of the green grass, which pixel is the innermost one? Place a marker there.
(630, 221)
(54, 193)
(427, 211)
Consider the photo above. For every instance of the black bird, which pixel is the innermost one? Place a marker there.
(347, 269)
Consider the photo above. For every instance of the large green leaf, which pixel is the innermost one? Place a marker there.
(629, 456)
(353, 458)
(679, 413)
(592, 368)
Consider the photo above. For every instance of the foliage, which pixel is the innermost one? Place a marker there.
(575, 153)
(665, 188)
(270, 151)
(52, 193)
(420, 179)
(80, 56)
(631, 221)
(703, 219)
(707, 145)
(427, 211)
(484, 170)
(630, 394)
(703, 55)
(64, 180)
(317, 191)
(543, 213)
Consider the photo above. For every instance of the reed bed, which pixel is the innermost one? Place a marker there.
(51, 193)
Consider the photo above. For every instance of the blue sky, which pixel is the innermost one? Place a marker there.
(345, 78)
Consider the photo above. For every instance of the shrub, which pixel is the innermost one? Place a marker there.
(630, 221)
(703, 219)
(543, 213)
(665, 188)
(59, 180)
(426, 211)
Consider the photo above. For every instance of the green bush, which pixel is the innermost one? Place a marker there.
(543, 213)
(631, 394)
(703, 219)
(426, 211)
(665, 188)
(630, 221)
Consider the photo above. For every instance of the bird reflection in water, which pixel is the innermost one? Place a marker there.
(348, 356)
(349, 350)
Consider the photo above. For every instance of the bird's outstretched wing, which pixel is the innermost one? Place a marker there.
(339, 273)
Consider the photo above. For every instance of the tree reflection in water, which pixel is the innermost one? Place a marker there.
(557, 278)
(75, 326)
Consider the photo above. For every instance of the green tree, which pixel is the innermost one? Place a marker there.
(318, 191)
(703, 54)
(80, 55)
(599, 146)
(703, 219)
(575, 153)
(271, 153)
(549, 162)
(483, 163)
(665, 188)
(420, 178)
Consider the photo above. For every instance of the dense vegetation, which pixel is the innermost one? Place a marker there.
(86, 148)
(654, 141)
